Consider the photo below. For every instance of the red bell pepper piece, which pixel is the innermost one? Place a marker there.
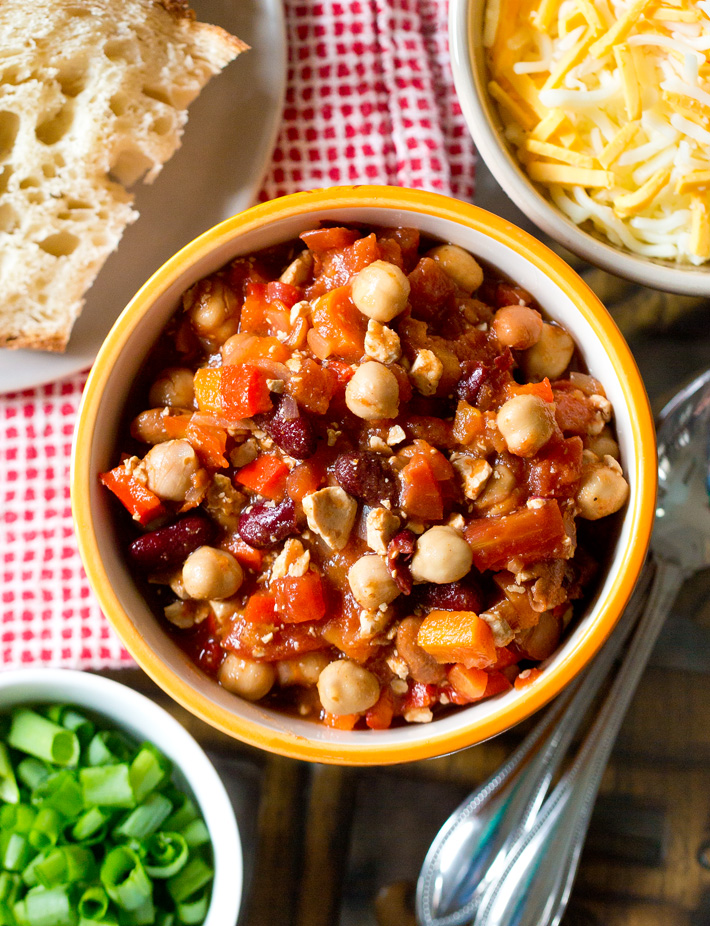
(300, 598)
(266, 475)
(261, 608)
(322, 239)
(528, 535)
(209, 444)
(244, 391)
(142, 504)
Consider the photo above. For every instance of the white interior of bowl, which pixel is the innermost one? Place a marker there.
(468, 58)
(144, 720)
(146, 331)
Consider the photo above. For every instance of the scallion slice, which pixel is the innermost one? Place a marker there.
(165, 854)
(107, 786)
(32, 733)
(9, 792)
(145, 819)
(124, 878)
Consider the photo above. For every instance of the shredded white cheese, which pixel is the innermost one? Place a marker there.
(608, 105)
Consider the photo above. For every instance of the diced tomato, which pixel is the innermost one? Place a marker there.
(305, 479)
(246, 555)
(528, 535)
(244, 391)
(379, 716)
(420, 695)
(313, 387)
(505, 657)
(469, 684)
(468, 422)
(497, 684)
(339, 326)
(284, 293)
(343, 632)
(527, 677)
(207, 389)
(440, 466)
(253, 317)
(261, 608)
(343, 373)
(300, 598)
(556, 468)
(323, 239)
(339, 721)
(265, 475)
(209, 444)
(246, 638)
(458, 636)
(420, 494)
(510, 294)
(543, 390)
(574, 414)
(142, 504)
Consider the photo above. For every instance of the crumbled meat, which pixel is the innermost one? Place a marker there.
(293, 560)
(331, 514)
(426, 372)
(395, 435)
(381, 526)
(374, 622)
(474, 473)
(224, 502)
(382, 343)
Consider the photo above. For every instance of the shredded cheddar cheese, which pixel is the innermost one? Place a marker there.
(607, 103)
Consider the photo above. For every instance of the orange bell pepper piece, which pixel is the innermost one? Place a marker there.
(469, 684)
(339, 721)
(529, 535)
(339, 325)
(420, 493)
(261, 608)
(207, 389)
(209, 444)
(305, 479)
(458, 636)
(142, 504)
(244, 391)
(245, 554)
(379, 716)
(468, 422)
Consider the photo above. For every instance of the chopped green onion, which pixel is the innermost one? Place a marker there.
(108, 748)
(186, 812)
(46, 828)
(165, 854)
(9, 791)
(107, 786)
(142, 916)
(19, 818)
(15, 851)
(93, 904)
(9, 886)
(32, 772)
(62, 792)
(67, 717)
(149, 768)
(66, 865)
(7, 917)
(164, 918)
(196, 834)
(90, 828)
(194, 909)
(145, 819)
(32, 733)
(45, 907)
(108, 920)
(195, 875)
(125, 879)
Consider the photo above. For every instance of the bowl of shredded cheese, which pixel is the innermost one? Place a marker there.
(594, 117)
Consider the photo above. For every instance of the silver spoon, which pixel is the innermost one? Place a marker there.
(534, 887)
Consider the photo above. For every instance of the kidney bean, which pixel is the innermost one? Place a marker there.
(464, 595)
(400, 550)
(362, 474)
(291, 429)
(171, 545)
(422, 666)
(480, 381)
(265, 524)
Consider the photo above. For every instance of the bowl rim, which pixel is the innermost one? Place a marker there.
(640, 514)
(196, 767)
(479, 114)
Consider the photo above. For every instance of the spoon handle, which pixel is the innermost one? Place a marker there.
(535, 885)
(471, 849)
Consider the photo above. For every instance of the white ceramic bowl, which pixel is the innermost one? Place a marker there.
(468, 60)
(142, 719)
(558, 290)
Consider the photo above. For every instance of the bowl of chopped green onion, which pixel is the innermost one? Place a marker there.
(110, 812)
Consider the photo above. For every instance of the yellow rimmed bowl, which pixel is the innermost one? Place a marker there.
(563, 296)
(468, 61)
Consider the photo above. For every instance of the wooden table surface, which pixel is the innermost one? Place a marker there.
(328, 846)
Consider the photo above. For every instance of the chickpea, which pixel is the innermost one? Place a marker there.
(246, 677)
(174, 387)
(371, 583)
(373, 392)
(303, 670)
(211, 573)
(212, 309)
(602, 491)
(149, 427)
(458, 264)
(441, 556)
(499, 489)
(527, 423)
(170, 468)
(603, 444)
(345, 687)
(380, 291)
(541, 641)
(550, 356)
(517, 326)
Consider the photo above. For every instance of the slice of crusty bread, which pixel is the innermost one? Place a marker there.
(93, 96)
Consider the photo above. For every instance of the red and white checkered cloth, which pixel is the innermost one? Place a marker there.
(370, 100)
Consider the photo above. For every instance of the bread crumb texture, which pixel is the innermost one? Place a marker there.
(93, 97)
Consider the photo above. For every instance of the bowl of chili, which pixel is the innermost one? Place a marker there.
(345, 404)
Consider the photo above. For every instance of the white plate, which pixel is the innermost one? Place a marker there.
(217, 172)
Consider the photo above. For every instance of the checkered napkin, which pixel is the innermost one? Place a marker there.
(370, 100)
